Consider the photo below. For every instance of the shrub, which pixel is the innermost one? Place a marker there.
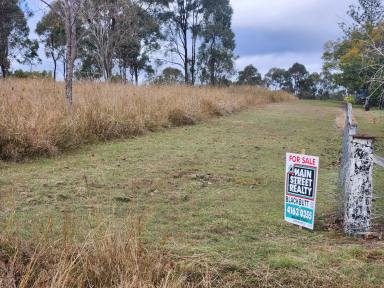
(35, 74)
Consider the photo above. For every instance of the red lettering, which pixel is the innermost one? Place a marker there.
(309, 161)
(295, 159)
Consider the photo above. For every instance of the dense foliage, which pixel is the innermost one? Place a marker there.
(356, 61)
(14, 36)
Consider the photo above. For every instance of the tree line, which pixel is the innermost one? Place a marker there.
(106, 39)
(119, 40)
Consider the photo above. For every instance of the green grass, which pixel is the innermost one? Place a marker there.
(214, 190)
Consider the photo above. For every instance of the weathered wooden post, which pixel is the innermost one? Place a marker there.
(350, 130)
(358, 186)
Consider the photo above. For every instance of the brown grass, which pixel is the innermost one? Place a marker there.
(121, 260)
(34, 119)
(107, 260)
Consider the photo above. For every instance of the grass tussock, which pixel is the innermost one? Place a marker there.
(34, 119)
(108, 260)
(114, 260)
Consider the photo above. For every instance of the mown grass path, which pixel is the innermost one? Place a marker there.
(214, 190)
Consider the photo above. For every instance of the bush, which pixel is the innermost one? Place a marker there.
(36, 75)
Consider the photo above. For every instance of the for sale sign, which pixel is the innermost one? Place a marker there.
(300, 189)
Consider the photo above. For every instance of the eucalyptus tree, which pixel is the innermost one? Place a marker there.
(249, 76)
(216, 53)
(69, 11)
(99, 24)
(278, 79)
(52, 34)
(183, 19)
(170, 75)
(14, 35)
(138, 36)
(299, 76)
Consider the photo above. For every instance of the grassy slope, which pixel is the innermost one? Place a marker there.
(215, 190)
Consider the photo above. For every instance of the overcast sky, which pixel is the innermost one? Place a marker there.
(277, 33)
(273, 33)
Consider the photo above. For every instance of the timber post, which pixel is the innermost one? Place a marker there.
(358, 187)
(355, 182)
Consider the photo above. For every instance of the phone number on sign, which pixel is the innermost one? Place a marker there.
(299, 213)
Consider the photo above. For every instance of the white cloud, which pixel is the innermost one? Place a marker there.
(263, 62)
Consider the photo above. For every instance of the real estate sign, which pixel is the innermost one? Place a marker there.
(300, 189)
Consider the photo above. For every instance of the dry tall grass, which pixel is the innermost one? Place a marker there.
(107, 260)
(121, 260)
(34, 119)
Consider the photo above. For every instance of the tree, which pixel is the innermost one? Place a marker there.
(99, 20)
(138, 35)
(374, 66)
(249, 76)
(310, 86)
(170, 75)
(216, 53)
(183, 20)
(14, 32)
(69, 11)
(88, 68)
(327, 87)
(195, 28)
(345, 61)
(356, 60)
(299, 75)
(122, 33)
(279, 79)
(52, 33)
(365, 16)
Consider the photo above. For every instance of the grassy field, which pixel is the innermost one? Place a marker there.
(210, 194)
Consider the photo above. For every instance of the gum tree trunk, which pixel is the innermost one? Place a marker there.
(70, 29)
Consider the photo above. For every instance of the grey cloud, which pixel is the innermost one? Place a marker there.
(250, 42)
(264, 62)
(271, 32)
(277, 33)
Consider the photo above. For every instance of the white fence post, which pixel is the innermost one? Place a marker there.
(358, 187)
(356, 178)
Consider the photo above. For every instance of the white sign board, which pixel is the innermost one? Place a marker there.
(301, 174)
